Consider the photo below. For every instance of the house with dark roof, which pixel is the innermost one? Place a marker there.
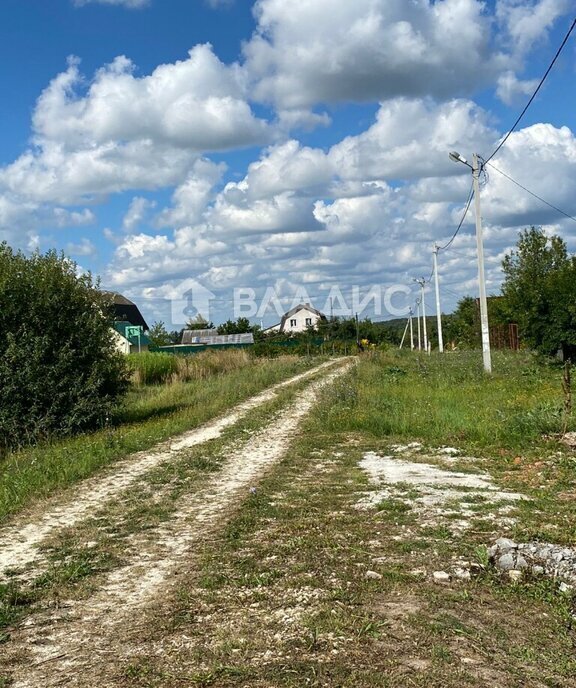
(129, 325)
(297, 319)
(126, 311)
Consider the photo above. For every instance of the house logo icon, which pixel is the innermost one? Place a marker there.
(191, 301)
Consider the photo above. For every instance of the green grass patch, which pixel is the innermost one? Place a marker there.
(448, 400)
(149, 368)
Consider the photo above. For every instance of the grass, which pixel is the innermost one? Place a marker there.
(151, 414)
(448, 400)
(160, 367)
(152, 368)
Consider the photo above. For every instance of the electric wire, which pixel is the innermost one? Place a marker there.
(468, 202)
(550, 205)
(542, 80)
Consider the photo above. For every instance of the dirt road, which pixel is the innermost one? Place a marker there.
(65, 644)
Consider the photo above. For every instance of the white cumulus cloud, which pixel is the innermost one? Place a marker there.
(310, 51)
(124, 132)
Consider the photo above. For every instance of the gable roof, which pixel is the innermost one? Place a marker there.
(125, 310)
(296, 309)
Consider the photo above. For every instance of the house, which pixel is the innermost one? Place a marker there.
(129, 325)
(297, 319)
(126, 311)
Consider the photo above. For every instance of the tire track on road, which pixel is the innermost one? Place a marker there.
(85, 638)
(19, 541)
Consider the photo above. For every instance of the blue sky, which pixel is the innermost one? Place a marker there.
(294, 147)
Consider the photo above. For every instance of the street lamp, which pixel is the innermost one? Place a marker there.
(475, 167)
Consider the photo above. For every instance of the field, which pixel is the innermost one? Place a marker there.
(333, 532)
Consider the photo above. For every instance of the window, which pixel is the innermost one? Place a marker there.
(308, 322)
(293, 322)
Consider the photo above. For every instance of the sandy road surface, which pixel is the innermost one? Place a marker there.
(19, 541)
(83, 640)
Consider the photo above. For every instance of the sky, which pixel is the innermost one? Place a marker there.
(234, 158)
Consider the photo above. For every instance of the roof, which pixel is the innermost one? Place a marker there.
(300, 307)
(212, 339)
(125, 310)
(191, 336)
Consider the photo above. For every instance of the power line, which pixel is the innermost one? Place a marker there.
(542, 80)
(550, 205)
(451, 291)
(470, 197)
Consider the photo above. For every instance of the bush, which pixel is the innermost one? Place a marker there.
(59, 370)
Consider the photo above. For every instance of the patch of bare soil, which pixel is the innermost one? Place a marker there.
(20, 540)
(81, 642)
(434, 491)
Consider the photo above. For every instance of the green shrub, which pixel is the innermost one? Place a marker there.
(60, 372)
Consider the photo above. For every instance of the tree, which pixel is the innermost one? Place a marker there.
(175, 336)
(240, 326)
(159, 335)
(540, 290)
(60, 371)
(462, 328)
(199, 323)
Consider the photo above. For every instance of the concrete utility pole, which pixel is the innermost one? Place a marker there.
(411, 331)
(422, 282)
(476, 168)
(438, 312)
(418, 321)
(404, 335)
(486, 355)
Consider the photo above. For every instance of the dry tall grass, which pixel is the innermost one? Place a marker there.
(150, 368)
(207, 363)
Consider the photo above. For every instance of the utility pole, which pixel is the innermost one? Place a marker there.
(404, 335)
(476, 169)
(422, 282)
(411, 331)
(486, 356)
(438, 312)
(418, 321)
